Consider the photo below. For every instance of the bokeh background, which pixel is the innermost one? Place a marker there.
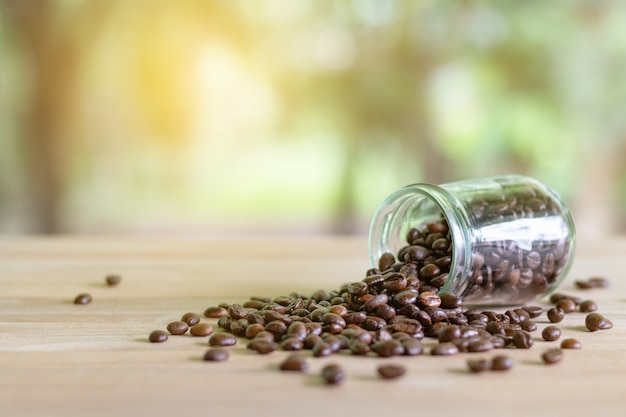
(300, 116)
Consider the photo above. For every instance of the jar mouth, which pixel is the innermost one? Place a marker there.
(414, 206)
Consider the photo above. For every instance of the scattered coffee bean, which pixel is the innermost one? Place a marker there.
(391, 371)
(262, 346)
(551, 333)
(522, 340)
(216, 355)
(201, 329)
(294, 362)
(555, 315)
(594, 282)
(215, 312)
(113, 280)
(83, 299)
(191, 319)
(478, 365)
(588, 306)
(552, 356)
(332, 374)
(501, 363)
(222, 339)
(567, 305)
(412, 347)
(444, 349)
(158, 336)
(571, 344)
(596, 321)
(177, 327)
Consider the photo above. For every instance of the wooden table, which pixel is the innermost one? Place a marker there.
(61, 359)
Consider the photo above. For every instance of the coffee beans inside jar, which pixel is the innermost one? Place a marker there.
(502, 240)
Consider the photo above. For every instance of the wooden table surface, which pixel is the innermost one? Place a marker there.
(62, 359)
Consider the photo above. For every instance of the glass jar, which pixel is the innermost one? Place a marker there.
(502, 240)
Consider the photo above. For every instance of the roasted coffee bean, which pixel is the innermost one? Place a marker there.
(201, 329)
(216, 355)
(429, 271)
(551, 333)
(555, 315)
(158, 336)
(499, 341)
(277, 328)
(571, 344)
(358, 347)
(340, 310)
(334, 341)
(113, 280)
(501, 363)
(177, 327)
(595, 322)
(522, 340)
(567, 305)
(237, 311)
(356, 317)
(444, 349)
(528, 326)
(222, 339)
(412, 347)
(594, 282)
(291, 343)
(388, 348)
(478, 365)
(376, 301)
(294, 362)
(533, 311)
(552, 356)
(332, 374)
(494, 327)
(391, 371)
(191, 319)
(253, 330)
(215, 312)
(83, 299)
(264, 335)
(588, 306)
(386, 260)
(429, 300)
(480, 345)
(450, 300)
(262, 346)
(322, 349)
(449, 333)
(254, 304)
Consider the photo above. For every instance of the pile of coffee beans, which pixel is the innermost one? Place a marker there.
(389, 313)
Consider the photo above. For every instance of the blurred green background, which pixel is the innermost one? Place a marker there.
(300, 116)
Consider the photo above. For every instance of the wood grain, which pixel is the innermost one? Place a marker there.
(61, 359)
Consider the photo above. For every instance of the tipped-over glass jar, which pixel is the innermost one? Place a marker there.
(501, 240)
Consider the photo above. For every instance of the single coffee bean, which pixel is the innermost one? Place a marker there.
(571, 344)
(528, 326)
(533, 311)
(216, 355)
(291, 343)
(222, 339)
(412, 347)
(567, 305)
(594, 282)
(332, 374)
(448, 333)
(263, 335)
(444, 349)
(552, 356)
(158, 336)
(551, 333)
(501, 363)
(388, 348)
(177, 327)
(588, 306)
(391, 371)
(262, 346)
(294, 362)
(253, 330)
(215, 312)
(386, 260)
(201, 329)
(480, 345)
(83, 299)
(322, 349)
(555, 315)
(522, 340)
(478, 365)
(113, 280)
(595, 321)
(191, 319)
